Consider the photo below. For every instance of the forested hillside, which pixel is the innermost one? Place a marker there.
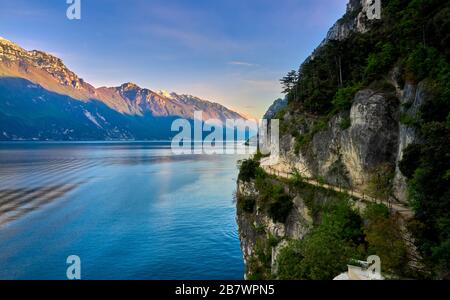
(369, 110)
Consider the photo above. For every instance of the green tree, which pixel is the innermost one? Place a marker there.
(380, 184)
(343, 99)
(326, 251)
(248, 169)
(384, 238)
(289, 83)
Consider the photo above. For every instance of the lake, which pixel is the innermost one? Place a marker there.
(128, 210)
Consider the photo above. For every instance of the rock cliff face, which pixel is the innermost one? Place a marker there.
(346, 150)
(258, 227)
(354, 20)
(278, 105)
(262, 238)
(375, 136)
(341, 157)
(370, 140)
(411, 99)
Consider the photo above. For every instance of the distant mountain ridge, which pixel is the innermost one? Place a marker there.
(39, 72)
(277, 105)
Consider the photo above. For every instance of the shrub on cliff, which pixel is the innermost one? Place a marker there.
(381, 180)
(322, 255)
(384, 238)
(428, 166)
(273, 198)
(344, 97)
(325, 252)
(247, 169)
(421, 62)
(247, 203)
(280, 207)
(380, 62)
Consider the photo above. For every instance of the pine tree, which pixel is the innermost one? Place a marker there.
(289, 83)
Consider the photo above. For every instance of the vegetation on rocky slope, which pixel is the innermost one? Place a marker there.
(413, 36)
(410, 44)
(339, 234)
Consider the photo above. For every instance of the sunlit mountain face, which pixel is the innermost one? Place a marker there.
(42, 99)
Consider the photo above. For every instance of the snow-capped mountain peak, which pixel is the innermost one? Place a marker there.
(165, 94)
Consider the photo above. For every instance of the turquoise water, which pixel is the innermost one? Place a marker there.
(128, 210)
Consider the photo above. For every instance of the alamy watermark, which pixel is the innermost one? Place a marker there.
(367, 270)
(234, 136)
(74, 10)
(74, 270)
(372, 9)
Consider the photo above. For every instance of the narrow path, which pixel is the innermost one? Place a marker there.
(402, 210)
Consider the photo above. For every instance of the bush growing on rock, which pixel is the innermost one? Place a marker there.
(247, 169)
(327, 249)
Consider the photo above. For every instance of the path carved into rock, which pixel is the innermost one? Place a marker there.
(405, 212)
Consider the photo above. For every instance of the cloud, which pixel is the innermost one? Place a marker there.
(23, 9)
(192, 39)
(241, 63)
(265, 85)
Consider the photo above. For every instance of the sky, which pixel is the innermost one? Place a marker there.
(228, 51)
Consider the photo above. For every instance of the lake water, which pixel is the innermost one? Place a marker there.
(128, 210)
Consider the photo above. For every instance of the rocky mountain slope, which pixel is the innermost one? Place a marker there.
(278, 105)
(367, 115)
(60, 105)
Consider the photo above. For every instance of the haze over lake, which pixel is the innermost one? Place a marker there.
(128, 210)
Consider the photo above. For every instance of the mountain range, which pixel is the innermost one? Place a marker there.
(42, 99)
(278, 105)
